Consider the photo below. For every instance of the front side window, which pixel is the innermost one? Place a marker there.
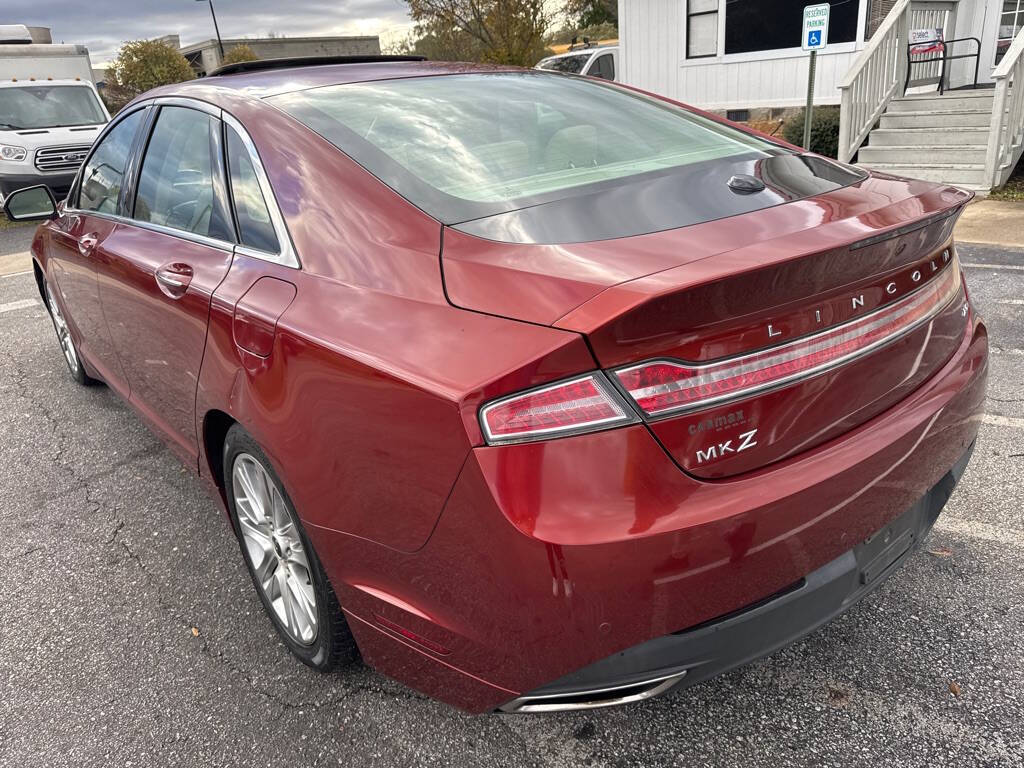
(701, 28)
(466, 146)
(180, 185)
(103, 175)
(48, 106)
(255, 227)
(603, 67)
(572, 65)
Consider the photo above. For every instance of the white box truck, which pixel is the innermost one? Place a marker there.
(50, 112)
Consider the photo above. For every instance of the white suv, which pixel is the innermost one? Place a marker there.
(596, 61)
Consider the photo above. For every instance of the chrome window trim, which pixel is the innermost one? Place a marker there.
(287, 256)
(222, 245)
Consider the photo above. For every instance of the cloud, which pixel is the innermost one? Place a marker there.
(102, 25)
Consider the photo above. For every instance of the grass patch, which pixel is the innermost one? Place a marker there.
(5, 223)
(1014, 187)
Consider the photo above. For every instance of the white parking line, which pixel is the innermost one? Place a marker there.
(1015, 302)
(1010, 351)
(17, 274)
(22, 304)
(1002, 421)
(1016, 267)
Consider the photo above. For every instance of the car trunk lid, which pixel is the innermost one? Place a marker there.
(750, 285)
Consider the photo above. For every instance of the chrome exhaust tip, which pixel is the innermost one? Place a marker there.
(594, 698)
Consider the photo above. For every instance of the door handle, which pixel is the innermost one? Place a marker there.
(87, 243)
(173, 279)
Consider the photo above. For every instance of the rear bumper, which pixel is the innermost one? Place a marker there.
(694, 655)
(593, 561)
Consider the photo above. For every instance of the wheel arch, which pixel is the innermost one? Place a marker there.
(216, 424)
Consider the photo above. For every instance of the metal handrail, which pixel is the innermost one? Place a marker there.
(1006, 131)
(946, 45)
(873, 80)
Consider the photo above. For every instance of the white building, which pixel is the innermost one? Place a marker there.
(743, 56)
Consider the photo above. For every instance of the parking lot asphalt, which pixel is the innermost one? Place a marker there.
(130, 634)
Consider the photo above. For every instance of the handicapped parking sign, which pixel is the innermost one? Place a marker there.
(815, 27)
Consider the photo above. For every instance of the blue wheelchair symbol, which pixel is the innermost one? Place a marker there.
(813, 38)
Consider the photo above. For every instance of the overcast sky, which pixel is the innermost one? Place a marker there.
(103, 25)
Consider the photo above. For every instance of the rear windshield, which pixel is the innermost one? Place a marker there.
(571, 64)
(466, 146)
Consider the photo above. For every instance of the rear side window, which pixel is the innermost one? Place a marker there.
(180, 185)
(604, 66)
(255, 228)
(104, 173)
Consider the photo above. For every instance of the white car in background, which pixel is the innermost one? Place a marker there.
(50, 112)
(594, 60)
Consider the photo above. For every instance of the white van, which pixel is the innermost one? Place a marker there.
(50, 112)
(596, 61)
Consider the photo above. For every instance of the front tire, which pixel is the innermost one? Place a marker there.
(284, 568)
(67, 343)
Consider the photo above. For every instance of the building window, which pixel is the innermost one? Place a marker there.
(737, 115)
(701, 28)
(749, 28)
(1010, 21)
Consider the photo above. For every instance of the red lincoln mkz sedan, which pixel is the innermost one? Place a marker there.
(542, 392)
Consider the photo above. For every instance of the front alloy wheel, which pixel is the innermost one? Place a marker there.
(67, 344)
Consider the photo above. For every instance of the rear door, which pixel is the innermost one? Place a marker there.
(160, 269)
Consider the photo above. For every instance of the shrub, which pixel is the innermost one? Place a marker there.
(824, 130)
(141, 65)
(240, 53)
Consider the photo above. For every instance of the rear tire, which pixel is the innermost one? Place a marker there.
(64, 338)
(285, 570)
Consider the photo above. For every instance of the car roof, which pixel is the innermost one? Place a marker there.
(580, 51)
(271, 82)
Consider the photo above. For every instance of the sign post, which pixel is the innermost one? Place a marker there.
(813, 38)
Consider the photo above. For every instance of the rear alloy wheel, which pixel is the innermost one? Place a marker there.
(285, 570)
(67, 344)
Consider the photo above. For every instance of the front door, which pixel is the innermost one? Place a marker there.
(78, 234)
(160, 270)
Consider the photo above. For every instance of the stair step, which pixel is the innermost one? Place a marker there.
(961, 175)
(970, 118)
(928, 136)
(924, 155)
(947, 103)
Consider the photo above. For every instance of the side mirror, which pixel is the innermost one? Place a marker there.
(31, 204)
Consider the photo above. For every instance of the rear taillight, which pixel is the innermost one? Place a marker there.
(583, 404)
(666, 386)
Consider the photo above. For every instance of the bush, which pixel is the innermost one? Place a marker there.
(140, 66)
(240, 53)
(824, 131)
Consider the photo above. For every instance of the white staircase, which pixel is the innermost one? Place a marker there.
(935, 138)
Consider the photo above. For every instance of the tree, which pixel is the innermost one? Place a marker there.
(140, 66)
(590, 13)
(240, 53)
(498, 31)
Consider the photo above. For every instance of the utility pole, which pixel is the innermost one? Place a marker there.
(216, 29)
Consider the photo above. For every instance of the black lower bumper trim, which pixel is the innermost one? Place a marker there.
(720, 645)
(59, 183)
